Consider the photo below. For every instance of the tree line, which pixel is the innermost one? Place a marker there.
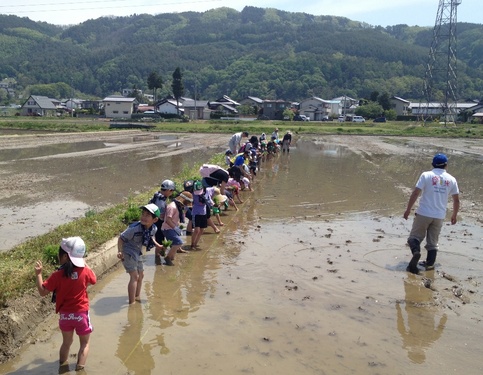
(256, 52)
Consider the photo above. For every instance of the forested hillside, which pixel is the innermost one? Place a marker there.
(261, 52)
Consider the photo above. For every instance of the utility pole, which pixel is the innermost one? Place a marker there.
(72, 98)
(440, 81)
(196, 110)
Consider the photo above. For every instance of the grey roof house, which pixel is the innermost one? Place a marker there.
(38, 106)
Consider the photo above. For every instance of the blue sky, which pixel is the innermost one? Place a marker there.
(374, 12)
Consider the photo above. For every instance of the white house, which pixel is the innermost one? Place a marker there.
(169, 106)
(317, 109)
(119, 106)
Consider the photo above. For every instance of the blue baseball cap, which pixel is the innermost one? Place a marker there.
(440, 160)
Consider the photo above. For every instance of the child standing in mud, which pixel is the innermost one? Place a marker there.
(198, 212)
(69, 285)
(160, 199)
(130, 244)
(174, 215)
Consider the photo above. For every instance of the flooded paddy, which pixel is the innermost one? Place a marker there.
(308, 277)
(46, 180)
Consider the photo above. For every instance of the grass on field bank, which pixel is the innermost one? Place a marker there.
(396, 128)
(17, 274)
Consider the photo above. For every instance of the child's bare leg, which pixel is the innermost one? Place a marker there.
(218, 218)
(132, 286)
(159, 251)
(232, 203)
(67, 340)
(83, 351)
(211, 223)
(172, 252)
(195, 237)
(139, 285)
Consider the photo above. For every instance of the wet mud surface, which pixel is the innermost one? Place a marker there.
(48, 179)
(308, 277)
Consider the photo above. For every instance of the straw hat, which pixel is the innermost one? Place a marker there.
(185, 198)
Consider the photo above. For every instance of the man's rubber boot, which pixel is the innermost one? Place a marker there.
(415, 247)
(430, 260)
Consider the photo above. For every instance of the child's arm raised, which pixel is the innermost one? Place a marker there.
(39, 280)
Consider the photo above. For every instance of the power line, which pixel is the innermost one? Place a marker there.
(83, 5)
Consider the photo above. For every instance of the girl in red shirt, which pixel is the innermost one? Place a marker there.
(69, 285)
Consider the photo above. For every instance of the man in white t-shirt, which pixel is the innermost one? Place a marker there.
(435, 187)
(235, 141)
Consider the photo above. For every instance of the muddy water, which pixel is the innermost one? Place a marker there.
(307, 278)
(50, 183)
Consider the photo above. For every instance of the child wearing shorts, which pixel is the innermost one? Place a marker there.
(174, 215)
(130, 244)
(198, 212)
(69, 285)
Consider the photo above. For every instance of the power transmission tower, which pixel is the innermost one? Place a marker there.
(440, 81)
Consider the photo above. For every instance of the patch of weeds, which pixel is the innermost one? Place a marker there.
(133, 213)
(90, 213)
(51, 253)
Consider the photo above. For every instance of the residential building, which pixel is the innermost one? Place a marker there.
(196, 109)
(224, 105)
(8, 85)
(273, 109)
(119, 107)
(317, 109)
(347, 105)
(436, 109)
(72, 104)
(128, 92)
(95, 105)
(37, 105)
(477, 112)
(255, 103)
(400, 105)
(193, 109)
(169, 106)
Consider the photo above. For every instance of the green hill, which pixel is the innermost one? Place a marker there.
(260, 52)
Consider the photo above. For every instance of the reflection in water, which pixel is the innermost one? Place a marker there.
(173, 295)
(135, 354)
(420, 332)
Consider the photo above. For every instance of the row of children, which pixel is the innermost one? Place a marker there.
(159, 227)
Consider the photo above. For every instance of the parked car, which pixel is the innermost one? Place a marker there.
(380, 119)
(341, 119)
(301, 118)
(325, 118)
(358, 119)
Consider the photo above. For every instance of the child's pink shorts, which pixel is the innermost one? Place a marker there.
(80, 322)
